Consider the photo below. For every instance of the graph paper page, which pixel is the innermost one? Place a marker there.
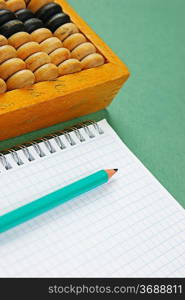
(130, 227)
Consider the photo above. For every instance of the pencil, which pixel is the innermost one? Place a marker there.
(52, 200)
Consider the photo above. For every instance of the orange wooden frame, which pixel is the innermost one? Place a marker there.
(70, 96)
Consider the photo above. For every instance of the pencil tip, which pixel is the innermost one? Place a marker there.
(111, 172)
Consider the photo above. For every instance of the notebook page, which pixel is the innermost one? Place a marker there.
(130, 227)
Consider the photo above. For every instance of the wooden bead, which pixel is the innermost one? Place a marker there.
(48, 11)
(6, 16)
(83, 50)
(24, 14)
(15, 5)
(7, 52)
(18, 39)
(41, 35)
(35, 5)
(3, 41)
(74, 41)
(46, 73)
(69, 66)
(3, 86)
(21, 79)
(66, 30)
(51, 45)
(3, 4)
(59, 55)
(37, 60)
(33, 24)
(11, 27)
(92, 61)
(57, 21)
(10, 67)
(28, 49)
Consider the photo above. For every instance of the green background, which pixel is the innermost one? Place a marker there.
(149, 112)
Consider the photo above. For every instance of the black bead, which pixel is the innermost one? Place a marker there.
(6, 16)
(33, 24)
(57, 20)
(24, 14)
(47, 11)
(12, 27)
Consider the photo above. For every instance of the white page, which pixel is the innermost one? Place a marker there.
(130, 227)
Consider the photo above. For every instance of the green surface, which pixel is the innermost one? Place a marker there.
(149, 112)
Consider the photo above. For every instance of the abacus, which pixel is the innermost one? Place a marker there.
(53, 67)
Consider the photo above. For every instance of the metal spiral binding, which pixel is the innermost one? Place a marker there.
(69, 138)
(16, 157)
(49, 146)
(38, 149)
(27, 153)
(59, 142)
(78, 134)
(5, 162)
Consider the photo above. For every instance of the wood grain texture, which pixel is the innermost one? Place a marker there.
(70, 96)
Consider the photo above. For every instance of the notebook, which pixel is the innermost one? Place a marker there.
(130, 227)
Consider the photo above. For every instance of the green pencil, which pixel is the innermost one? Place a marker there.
(46, 203)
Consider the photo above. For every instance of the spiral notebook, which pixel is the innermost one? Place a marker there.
(130, 227)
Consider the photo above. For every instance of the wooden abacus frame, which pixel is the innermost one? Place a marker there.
(70, 96)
